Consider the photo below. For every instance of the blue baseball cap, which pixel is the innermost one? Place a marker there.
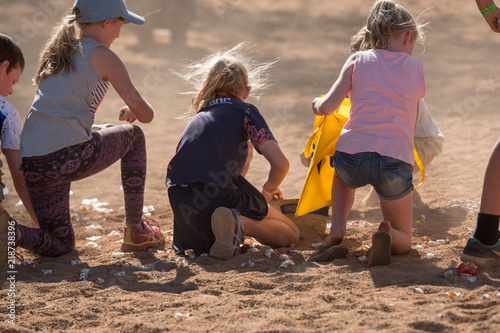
(102, 10)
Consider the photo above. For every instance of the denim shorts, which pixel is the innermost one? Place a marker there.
(391, 178)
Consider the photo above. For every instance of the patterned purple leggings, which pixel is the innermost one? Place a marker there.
(48, 179)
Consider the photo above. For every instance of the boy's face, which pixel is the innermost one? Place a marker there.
(7, 81)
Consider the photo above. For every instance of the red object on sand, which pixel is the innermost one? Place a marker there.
(467, 268)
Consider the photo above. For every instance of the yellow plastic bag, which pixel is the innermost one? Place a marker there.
(317, 189)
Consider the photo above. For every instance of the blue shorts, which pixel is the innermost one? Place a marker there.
(391, 178)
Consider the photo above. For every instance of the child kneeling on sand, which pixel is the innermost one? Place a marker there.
(375, 147)
(58, 145)
(214, 206)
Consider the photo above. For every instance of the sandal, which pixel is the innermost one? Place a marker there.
(328, 254)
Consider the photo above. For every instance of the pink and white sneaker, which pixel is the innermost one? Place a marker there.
(140, 240)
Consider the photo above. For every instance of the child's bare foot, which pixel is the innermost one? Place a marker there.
(380, 252)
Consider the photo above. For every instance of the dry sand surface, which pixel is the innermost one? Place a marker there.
(311, 39)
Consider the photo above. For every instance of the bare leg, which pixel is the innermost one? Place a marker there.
(275, 229)
(482, 248)
(398, 215)
(342, 201)
(490, 198)
(371, 199)
(394, 235)
(487, 225)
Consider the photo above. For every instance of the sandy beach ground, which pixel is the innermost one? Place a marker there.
(311, 40)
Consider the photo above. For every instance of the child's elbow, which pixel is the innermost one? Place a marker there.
(146, 119)
(147, 115)
(145, 112)
(280, 166)
(284, 165)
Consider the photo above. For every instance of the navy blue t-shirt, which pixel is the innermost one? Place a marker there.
(213, 147)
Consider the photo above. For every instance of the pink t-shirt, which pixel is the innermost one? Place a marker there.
(386, 89)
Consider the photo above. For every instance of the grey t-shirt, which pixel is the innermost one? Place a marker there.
(63, 111)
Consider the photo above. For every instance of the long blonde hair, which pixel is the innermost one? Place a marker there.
(387, 19)
(56, 55)
(226, 72)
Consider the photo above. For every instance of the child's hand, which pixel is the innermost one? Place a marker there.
(306, 161)
(127, 115)
(493, 20)
(100, 127)
(272, 196)
(315, 106)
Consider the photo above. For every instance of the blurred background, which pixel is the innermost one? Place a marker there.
(311, 40)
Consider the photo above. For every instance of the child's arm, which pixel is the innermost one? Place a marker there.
(492, 13)
(333, 99)
(12, 157)
(109, 67)
(279, 168)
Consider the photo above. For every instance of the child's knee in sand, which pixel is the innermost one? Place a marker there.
(275, 229)
(400, 241)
